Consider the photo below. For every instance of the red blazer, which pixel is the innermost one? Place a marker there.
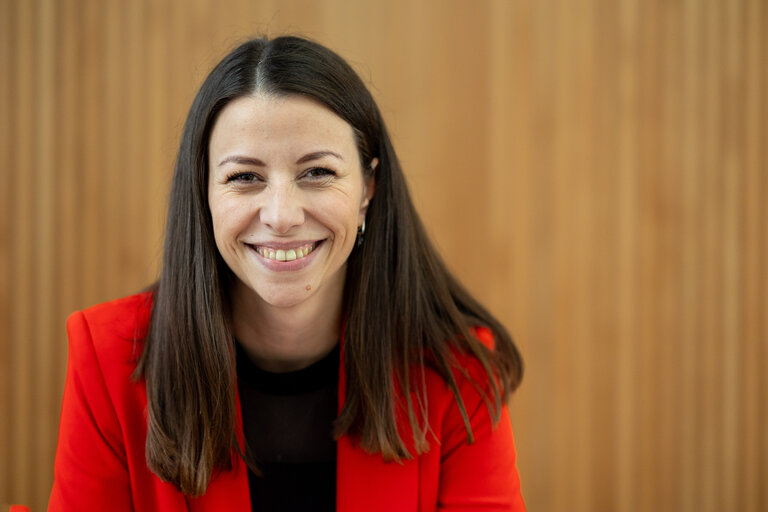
(100, 462)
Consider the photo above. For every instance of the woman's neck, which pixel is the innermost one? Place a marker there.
(285, 339)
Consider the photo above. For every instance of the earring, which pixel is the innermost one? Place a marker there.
(360, 233)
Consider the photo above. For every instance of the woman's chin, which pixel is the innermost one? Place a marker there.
(286, 298)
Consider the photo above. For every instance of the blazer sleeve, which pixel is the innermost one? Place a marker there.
(90, 472)
(482, 475)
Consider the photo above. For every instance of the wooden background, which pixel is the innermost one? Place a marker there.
(594, 170)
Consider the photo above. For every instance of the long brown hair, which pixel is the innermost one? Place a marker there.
(404, 310)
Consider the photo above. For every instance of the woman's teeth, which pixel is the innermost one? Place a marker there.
(286, 255)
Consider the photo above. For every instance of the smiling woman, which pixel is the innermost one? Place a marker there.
(287, 198)
(305, 348)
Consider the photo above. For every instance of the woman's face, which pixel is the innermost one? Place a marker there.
(287, 194)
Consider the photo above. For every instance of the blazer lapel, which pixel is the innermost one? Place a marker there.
(228, 490)
(365, 481)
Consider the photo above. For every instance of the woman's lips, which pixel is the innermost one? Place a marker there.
(286, 254)
(282, 257)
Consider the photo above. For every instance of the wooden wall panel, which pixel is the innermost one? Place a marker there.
(595, 171)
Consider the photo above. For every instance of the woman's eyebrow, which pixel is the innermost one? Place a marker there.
(244, 160)
(315, 155)
(247, 160)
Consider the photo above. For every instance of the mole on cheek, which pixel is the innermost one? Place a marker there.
(309, 287)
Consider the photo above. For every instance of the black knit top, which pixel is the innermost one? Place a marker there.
(288, 422)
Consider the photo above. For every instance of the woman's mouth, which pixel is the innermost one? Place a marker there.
(295, 253)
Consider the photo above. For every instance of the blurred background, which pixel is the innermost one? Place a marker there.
(593, 170)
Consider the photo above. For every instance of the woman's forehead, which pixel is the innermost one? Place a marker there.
(284, 123)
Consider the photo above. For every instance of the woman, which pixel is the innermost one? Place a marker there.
(305, 347)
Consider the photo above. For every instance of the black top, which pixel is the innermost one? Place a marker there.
(288, 424)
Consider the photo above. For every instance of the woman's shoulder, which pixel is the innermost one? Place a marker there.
(465, 361)
(103, 422)
(484, 335)
(113, 330)
(471, 378)
(120, 317)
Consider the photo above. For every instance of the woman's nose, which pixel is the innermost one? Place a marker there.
(282, 209)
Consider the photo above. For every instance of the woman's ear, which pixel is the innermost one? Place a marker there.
(369, 184)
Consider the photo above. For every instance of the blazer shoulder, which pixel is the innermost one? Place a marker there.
(115, 330)
(485, 336)
(127, 317)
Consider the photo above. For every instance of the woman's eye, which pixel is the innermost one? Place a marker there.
(319, 172)
(243, 178)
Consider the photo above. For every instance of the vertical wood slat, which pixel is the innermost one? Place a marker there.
(648, 265)
(111, 120)
(91, 151)
(763, 164)
(762, 107)
(732, 166)
(157, 136)
(627, 246)
(583, 245)
(620, 152)
(45, 179)
(690, 198)
(605, 234)
(135, 154)
(563, 286)
(7, 40)
(541, 355)
(68, 226)
(712, 215)
(754, 231)
(761, 243)
(668, 255)
(23, 275)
